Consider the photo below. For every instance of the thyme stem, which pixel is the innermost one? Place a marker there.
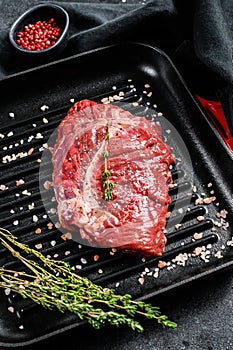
(107, 184)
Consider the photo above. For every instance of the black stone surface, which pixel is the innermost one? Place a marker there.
(203, 311)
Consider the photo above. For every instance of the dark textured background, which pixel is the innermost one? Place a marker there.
(203, 311)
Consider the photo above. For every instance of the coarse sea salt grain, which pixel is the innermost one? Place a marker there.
(39, 136)
(26, 193)
(11, 309)
(35, 218)
(44, 107)
(50, 225)
(30, 138)
(7, 291)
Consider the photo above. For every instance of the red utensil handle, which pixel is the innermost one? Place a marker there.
(215, 112)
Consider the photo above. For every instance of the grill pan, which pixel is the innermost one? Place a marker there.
(125, 70)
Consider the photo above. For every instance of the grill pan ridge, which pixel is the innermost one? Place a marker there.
(55, 85)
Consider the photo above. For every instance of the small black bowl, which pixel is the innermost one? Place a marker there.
(41, 12)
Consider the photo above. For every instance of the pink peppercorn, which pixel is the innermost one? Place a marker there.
(39, 36)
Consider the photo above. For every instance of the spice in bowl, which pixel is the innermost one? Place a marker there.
(39, 35)
(40, 32)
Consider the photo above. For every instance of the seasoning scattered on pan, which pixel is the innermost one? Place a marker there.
(203, 253)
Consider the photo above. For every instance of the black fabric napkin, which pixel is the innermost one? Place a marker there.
(197, 36)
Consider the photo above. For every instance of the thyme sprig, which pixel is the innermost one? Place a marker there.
(107, 184)
(53, 284)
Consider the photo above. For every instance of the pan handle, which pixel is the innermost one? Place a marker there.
(214, 110)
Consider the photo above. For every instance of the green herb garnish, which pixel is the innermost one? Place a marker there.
(107, 184)
(53, 284)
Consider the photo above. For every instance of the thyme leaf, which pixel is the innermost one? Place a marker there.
(106, 154)
(107, 194)
(106, 174)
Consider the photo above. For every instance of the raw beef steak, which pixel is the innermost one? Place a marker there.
(93, 138)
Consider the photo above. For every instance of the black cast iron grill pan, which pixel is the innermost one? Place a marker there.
(143, 69)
